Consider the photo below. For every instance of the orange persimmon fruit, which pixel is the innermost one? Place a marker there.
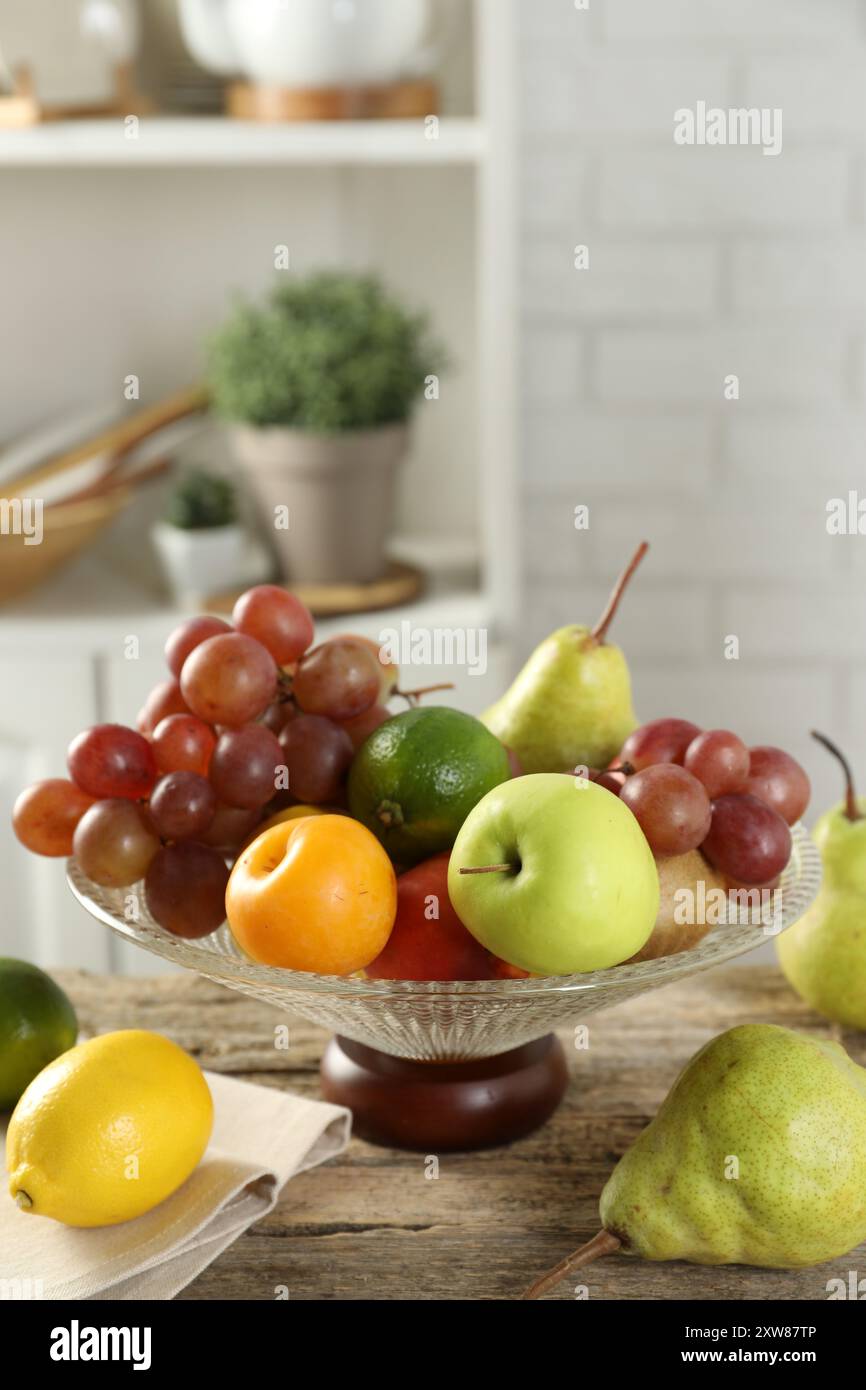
(317, 893)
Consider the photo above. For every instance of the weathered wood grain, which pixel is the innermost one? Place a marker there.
(373, 1225)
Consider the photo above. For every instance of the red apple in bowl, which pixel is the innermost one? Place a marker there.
(428, 941)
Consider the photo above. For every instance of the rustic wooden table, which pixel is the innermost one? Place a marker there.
(373, 1225)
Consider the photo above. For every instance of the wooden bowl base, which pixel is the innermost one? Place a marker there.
(253, 101)
(438, 1107)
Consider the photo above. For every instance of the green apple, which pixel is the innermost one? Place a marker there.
(576, 887)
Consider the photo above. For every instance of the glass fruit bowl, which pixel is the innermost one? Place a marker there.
(449, 1020)
(450, 1023)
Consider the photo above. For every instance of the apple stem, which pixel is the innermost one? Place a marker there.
(599, 632)
(852, 810)
(602, 1244)
(488, 869)
(413, 696)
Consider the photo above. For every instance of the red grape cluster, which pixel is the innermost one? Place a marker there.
(252, 716)
(704, 789)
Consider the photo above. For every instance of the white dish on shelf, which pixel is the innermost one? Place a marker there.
(71, 49)
(311, 43)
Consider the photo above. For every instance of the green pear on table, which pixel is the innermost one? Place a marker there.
(756, 1157)
(570, 706)
(823, 955)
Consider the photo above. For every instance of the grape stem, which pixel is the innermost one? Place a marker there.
(605, 1243)
(626, 769)
(599, 632)
(852, 810)
(413, 696)
(487, 869)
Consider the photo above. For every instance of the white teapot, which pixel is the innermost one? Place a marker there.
(310, 43)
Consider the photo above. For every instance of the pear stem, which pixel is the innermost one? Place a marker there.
(852, 810)
(602, 1244)
(488, 869)
(599, 632)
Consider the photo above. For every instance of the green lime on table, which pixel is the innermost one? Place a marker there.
(37, 1023)
(417, 777)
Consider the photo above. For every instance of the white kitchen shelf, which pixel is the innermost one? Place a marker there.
(91, 606)
(167, 141)
(64, 650)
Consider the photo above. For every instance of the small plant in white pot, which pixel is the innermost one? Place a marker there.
(318, 385)
(201, 544)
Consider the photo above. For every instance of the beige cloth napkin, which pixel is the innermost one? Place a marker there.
(261, 1138)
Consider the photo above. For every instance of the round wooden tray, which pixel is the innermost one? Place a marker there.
(251, 101)
(399, 584)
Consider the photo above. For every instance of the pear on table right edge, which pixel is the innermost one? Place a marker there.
(756, 1157)
(571, 704)
(823, 955)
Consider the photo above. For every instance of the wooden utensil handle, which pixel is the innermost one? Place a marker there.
(119, 439)
(114, 480)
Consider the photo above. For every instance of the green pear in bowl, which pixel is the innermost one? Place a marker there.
(756, 1157)
(823, 955)
(571, 705)
(553, 874)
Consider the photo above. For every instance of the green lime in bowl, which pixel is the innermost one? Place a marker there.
(417, 777)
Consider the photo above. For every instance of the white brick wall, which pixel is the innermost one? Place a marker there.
(718, 190)
(773, 365)
(820, 98)
(623, 280)
(820, 277)
(554, 365)
(703, 262)
(693, 543)
(801, 457)
(567, 448)
(783, 22)
(598, 93)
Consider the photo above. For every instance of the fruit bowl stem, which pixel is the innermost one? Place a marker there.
(437, 1107)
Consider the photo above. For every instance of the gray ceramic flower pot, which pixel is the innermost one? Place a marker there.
(336, 491)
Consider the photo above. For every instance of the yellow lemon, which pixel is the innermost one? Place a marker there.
(108, 1130)
(288, 813)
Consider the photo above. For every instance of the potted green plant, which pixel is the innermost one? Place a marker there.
(318, 385)
(201, 544)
